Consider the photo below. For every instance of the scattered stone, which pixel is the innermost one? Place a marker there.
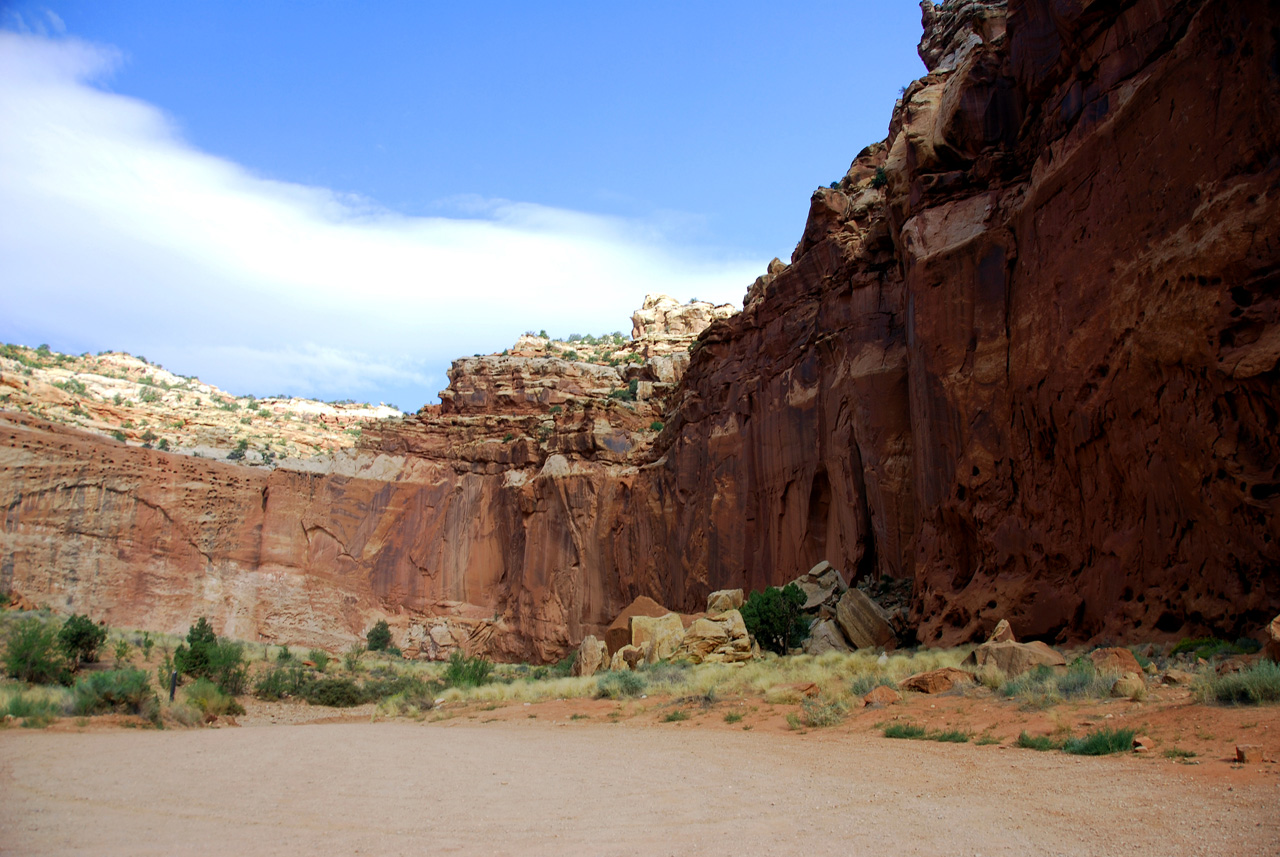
(1114, 660)
(821, 585)
(936, 681)
(663, 634)
(1143, 744)
(864, 623)
(1002, 633)
(618, 634)
(410, 653)
(724, 599)
(1233, 665)
(882, 695)
(1178, 677)
(1013, 659)
(1130, 685)
(1248, 753)
(592, 656)
(18, 601)
(825, 636)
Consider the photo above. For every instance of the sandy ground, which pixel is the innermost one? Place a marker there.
(530, 780)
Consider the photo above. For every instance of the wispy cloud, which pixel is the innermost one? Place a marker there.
(117, 233)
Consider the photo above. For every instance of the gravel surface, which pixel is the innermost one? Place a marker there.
(587, 787)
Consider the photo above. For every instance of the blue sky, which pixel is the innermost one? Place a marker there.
(336, 199)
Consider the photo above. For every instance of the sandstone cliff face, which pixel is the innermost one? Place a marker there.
(1025, 354)
(1035, 369)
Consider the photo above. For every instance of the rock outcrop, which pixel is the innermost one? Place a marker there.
(1024, 355)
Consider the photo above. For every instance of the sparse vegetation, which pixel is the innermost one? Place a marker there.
(1036, 742)
(620, 685)
(462, 671)
(1253, 685)
(1101, 742)
(379, 636)
(818, 713)
(33, 654)
(675, 716)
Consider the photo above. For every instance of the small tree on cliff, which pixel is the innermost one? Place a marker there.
(379, 636)
(773, 617)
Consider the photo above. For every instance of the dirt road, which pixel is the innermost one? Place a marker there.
(574, 788)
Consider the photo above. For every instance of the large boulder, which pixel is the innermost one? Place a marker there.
(881, 695)
(1015, 658)
(821, 585)
(825, 636)
(936, 681)
(719, 639)
(724, 599)
(864, 622)
(1115, 660)
(618, 634)
(1002, 633)
(663, 634)
(1273, 640)
(628, 658)
(592, 656)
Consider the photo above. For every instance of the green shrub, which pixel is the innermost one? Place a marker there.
(351, 657)
(773, 617)
(462, 671)
(379, 636)
(80, 639)
(1252, 685)
(284, 655)
(948, 736)
(203, 656)
(333, 692)
(33, 654)
(656, 425)
(620, 685)
(320, 658)
(122, 652)
(211, 700)
(1100, 743)
(1037, 742)
(127, 691)
(675, 716)
(818, 713)
(904, 730)
(1211, 647)
(36, 711)
(880, 179)
(291, 680)
(733, 717)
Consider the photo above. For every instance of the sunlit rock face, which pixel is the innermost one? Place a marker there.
(1024, 354)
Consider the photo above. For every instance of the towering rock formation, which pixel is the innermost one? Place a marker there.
(1025, 354)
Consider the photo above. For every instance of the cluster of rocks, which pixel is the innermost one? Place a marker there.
(847, 617)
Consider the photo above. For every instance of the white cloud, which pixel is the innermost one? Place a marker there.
(116, 233)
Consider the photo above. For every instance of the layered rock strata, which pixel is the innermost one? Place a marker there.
(1024, 355)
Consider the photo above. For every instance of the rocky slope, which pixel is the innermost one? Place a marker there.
(1024, 355)
(133, 401)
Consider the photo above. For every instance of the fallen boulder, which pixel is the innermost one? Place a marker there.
(936, 681)
(618, 634)
(592, 656)
(821, 585)
(864, 623)
(627, 658)
(881, 695)
(1130, 685)
(1114, 660)
(825, 636)
(719, 639)
(1013, 659)
(1273, 640)
(663, 634)
(724, 599)
(1002, 633)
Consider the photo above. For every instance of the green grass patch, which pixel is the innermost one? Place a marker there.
(1037, 742)
(733, 717)
(986, 740)
(1253, 685)
(904, 730)
(620, 685)
(675, 716)
(1102, 742)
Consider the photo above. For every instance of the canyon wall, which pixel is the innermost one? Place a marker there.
(1025, 354)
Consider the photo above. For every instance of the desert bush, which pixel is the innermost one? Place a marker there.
(284, 655)
(204, 656)
(320, 658)
(379, 636)
(462, 671)
(36, 707)
(620, 685)
(733, 717)
(773, 617)
(33, 654)
(880, 179)
(1211, 647)
(406, 704)
(1036, 742)
(351, 657)
(333, 692)
(211, 700)
(904, 730)
(867, 682)
(80, 639)
(1101, 742)
(818, 713)
(127, 691)
(675, 716)
(1253, 685)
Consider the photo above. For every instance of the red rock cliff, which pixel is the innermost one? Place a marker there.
(1025, 353)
